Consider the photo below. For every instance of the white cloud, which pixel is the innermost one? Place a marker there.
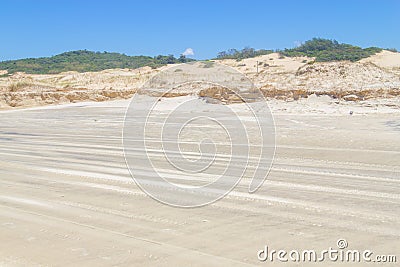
(188, 52)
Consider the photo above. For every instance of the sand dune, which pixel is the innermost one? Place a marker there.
(281, 78)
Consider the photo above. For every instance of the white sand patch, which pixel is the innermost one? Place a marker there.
(26, 201)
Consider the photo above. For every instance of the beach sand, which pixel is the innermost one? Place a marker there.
(67, 198)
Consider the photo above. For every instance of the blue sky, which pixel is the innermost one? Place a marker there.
(147, 27)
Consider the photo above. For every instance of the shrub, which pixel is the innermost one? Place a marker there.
(246, 52)
(330, 50)
(392, 50)
(84, 61)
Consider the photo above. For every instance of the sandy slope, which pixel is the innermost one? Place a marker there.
(282, 78)
(385, 59)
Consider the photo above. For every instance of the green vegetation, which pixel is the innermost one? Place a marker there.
(83, 61)
(246, 52)
(321, 49)
(330, 50)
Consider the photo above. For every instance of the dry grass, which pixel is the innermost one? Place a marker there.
(19, 85)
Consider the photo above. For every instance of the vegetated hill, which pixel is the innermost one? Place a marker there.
(321, 49)
(84, 61)
(330, 50)
(246, 52)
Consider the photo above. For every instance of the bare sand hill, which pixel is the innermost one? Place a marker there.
(385, 59)
(294, 78)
